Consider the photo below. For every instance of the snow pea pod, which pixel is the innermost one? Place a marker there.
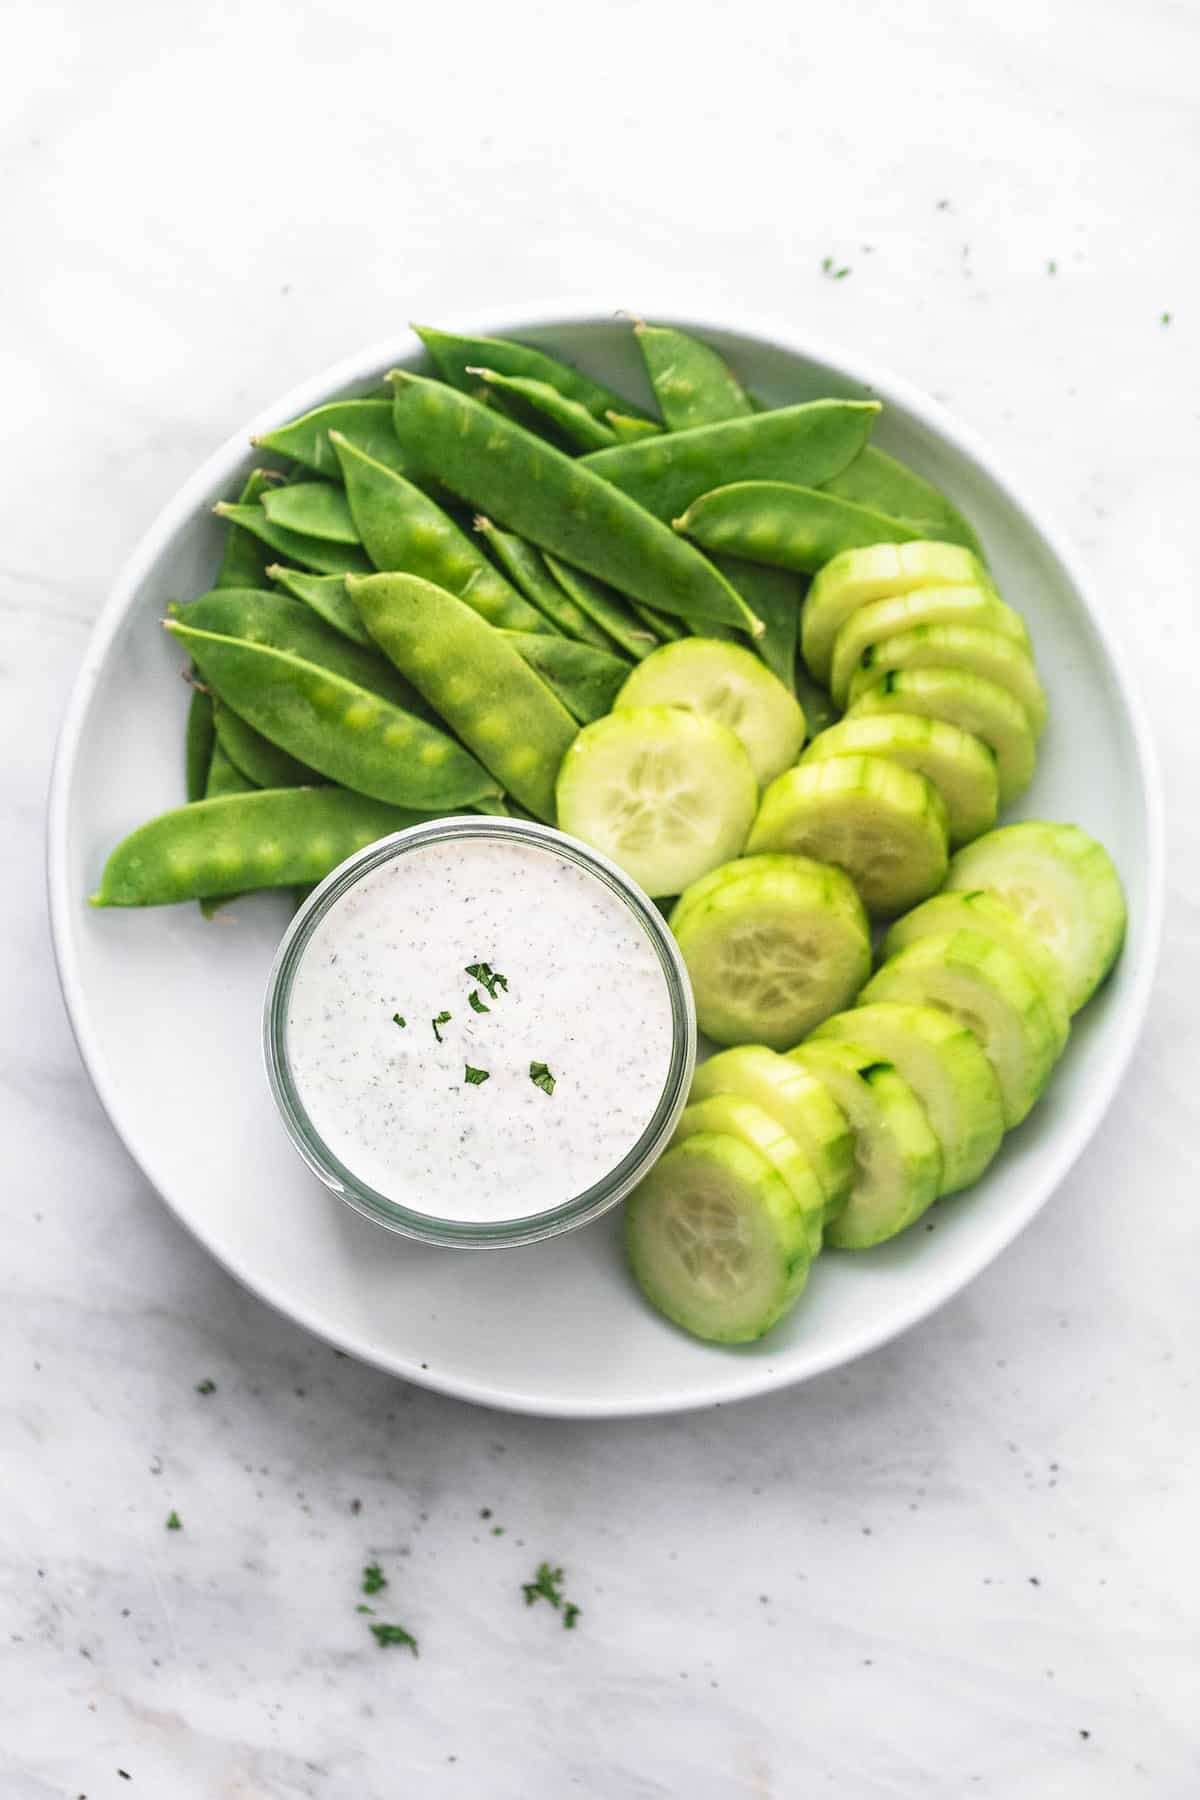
(604, 608)
(775, 595)
(809, 443)
(556, 502)
(347, 733)
(406, 532)
(311, 552)
(526, 567)
(692, 384)
(224, 777)
(667, 631)
(787, 526)
(585, 679)
(325, 595)
(263, 763)
(367, 424)
(627, 430)
(570, 418)
(877, 480)
(200, 737)
(241, 841)
(245, 558)
(471, 674)
(317, 508)
(456, 357)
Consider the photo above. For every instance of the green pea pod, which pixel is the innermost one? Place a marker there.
(692, 384)
(241, 841)
(787, 526)
(313, 553)
(263, 763)
(367, 424)
(558, 503)
(627, 430)
(224, 777)
(666, 630)
(406, 532)
(344, 731)
(775, 595)
(456, 357)
(261, 616)
(604, 608)
(810, 444)
(200, 737)
(316, 508)
(570, 418)
(245, 558)
(326, 596)
(471, 674)
(877, 480)
(585, 679)
(526, 567)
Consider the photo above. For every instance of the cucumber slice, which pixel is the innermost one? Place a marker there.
(985, 913)
(728, 1115)
(796, 1100)
(878, 620)
(1062, 884)
(885, 826)
(897, 1161)
(989, 991)
(855, 577)
(716, 1241)
(967, 647)
(972, 703)
(728, 683)
(772, 946)
(666, 793)
(960, 766)
(944, 1064)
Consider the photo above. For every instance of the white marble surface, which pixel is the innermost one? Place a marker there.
(968, 1564)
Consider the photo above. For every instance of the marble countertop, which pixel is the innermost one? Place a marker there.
(967, 1564)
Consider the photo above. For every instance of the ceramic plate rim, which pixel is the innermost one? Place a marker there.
(746, 1379)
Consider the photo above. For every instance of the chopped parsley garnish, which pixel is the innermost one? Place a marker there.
(1052, 268)
(1164, 319)
(400, 1020)
(362, 1607)
(541, 1077)
(570, 1614)
(443, 1018)
(373, 1579)
(475, 1003)
(547, 1585)
(174, 1522)
(394, 1634)
(834, 273)
(488, 978)
(207, 1386)
(475, 1077)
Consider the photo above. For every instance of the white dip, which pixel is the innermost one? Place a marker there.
(586, 996)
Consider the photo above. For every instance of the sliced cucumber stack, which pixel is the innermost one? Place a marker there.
(1062, 885)
(983, 912)
(884, 825)
(772, 944)
(730, 684)
(946, 1068)
(898, 614)
(666, 793)
(717, 1240)
(897, 1159)
(728, 1115)
(972, 703)
(966, 647)
(797, 1101)
(990, 991)
(857, 577)
(960, 765)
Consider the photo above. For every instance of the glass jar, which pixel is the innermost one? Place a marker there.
(576, 1209)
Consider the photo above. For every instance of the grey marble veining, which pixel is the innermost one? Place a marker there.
(966, 1565)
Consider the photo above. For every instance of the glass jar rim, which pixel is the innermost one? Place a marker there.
(429, 1228)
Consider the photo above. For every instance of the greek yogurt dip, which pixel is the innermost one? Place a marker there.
(480, 1028)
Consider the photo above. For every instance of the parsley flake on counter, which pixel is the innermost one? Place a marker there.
(570, 1614)
(394, 1634)
(834, 273)
(488, 978)
(174, 1522)
(541, 1077)
(207, 1386)
(400, 1020)
(1165, 319)
(546, 1585)
(443, 1018)
(373, 1579)
(363, 1608)
(475, 1077)
(475, 1003)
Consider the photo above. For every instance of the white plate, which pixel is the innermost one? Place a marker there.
(166, 1006)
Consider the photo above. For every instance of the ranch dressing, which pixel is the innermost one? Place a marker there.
(587, 1009)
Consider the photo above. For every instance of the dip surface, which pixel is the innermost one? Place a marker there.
(586, 997)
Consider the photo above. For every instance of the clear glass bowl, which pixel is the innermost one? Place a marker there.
(579, 1209)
